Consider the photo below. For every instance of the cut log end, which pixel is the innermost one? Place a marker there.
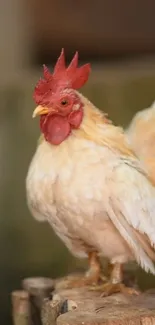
(38, 284)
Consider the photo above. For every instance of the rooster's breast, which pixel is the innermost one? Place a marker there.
(59, 179)
(67, 187)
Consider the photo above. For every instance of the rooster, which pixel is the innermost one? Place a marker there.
(86, 181)
(141, 134)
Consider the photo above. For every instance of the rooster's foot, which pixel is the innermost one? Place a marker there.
(115, 285)
(109, 288)
(79, 281)
(93, 276)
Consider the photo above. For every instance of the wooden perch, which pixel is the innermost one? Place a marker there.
(85, 307)
(79, 306)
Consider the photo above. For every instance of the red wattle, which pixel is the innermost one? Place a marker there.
(56, 129)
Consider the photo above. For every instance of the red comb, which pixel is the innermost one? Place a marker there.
(62, 77)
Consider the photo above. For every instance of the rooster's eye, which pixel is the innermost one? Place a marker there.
(64, 102)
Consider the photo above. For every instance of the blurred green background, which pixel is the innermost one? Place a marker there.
(120, 46)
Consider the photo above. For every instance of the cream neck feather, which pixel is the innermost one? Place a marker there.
(98, 128)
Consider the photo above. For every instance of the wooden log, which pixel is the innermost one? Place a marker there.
(51, 309)
(38, 289)
(20, 308)
(92, 309)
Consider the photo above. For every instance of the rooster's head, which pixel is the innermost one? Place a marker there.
(59, 105)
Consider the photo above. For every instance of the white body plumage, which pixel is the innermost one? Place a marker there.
(95, 199)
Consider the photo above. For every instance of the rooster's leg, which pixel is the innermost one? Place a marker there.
(94, 273)
(92, 277)
(115, 284)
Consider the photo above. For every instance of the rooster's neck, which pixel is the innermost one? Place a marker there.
(97, 128)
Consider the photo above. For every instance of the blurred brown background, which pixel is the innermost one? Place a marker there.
(118, 38)
(96, 28)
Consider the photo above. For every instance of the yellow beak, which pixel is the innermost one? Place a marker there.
(40, 110)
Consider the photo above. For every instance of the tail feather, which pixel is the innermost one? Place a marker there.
(140, 248)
